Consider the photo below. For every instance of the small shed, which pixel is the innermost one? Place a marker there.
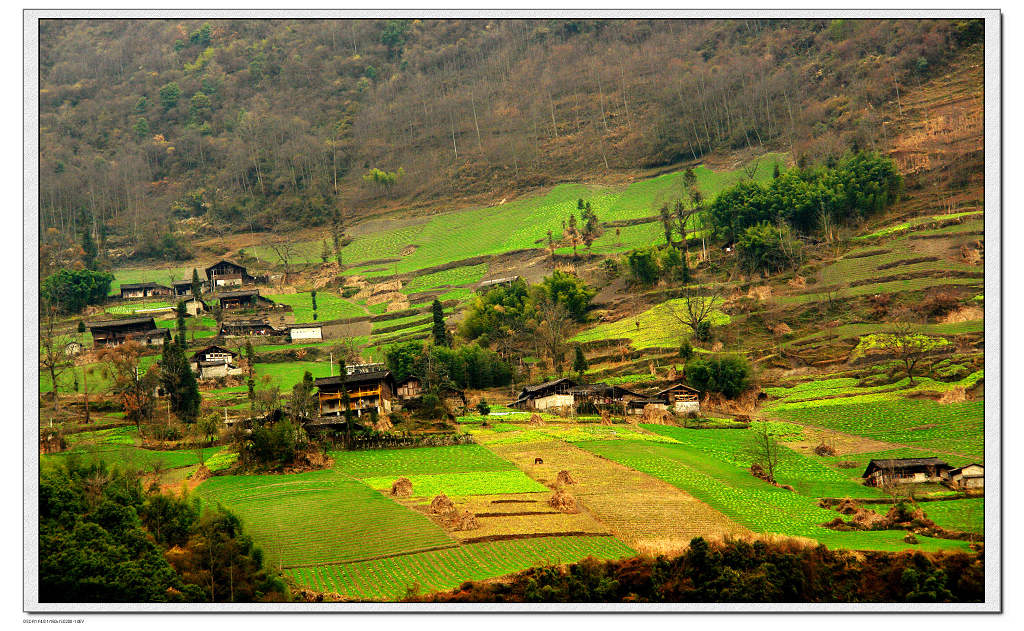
(970, 476)
(144, 290)
(681, 398)
(303, 332)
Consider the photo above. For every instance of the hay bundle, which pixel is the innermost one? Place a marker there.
(656, 415)
(535, 419)
(383, 424)
(758, 472)
(464, 520)
(606, 418)
(564, 478)
(563, 501)
(672, 375)
(442, 505)
(825, 450)
(402, 487)
(760, 293)
(798, 282)
(955, 395)
(781, 329)
(202, 473)
(847, 507)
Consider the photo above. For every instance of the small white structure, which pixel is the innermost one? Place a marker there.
(681, 398)
(971, 476)
(300, 332)
(214, 361)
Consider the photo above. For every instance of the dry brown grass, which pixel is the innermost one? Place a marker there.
(955, 395)
(563, 501)
(402, 487)
(442, 505)
(964, 314)
(564, 478)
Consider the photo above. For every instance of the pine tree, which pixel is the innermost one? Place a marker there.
(179, 382)
(439, 330)
(579, 364)
(89, 250)
(181, 324)
(197, 286)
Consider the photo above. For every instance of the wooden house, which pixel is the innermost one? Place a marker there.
(214, 361)
(409, 388)
(225, 273)
(243, 299)
(114, 332)
(184, 287)
(681, 398)
(130, 291)
(602, 395)
(368, 391)
(195, 306)
(971, 476)
(247, 327)
(904, 471)
(551, 394)
(305, 332)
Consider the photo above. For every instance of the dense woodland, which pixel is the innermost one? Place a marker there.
(248, 125)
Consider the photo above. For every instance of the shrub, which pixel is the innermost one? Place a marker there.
(728, 374)
(483, 408)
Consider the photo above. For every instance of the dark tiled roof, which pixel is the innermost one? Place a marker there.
(239, 293)
(548, 384)
(143, 286)
(677, 386)
(214, 348)
(904, 463)
(122, 322)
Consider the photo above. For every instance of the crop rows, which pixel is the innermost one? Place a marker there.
(657, 327)
(329, 306)
(461, 484)
(420, 461)
(391, 579)
(510, 434)
(965, 515)
(752, 503)
(321, 517)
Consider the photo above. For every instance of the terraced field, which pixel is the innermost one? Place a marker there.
(655, 327)
(511, 433)
(390, 579)
(748, 501)
(119, 447)
(351, 520)
(644, 512)
(964, 515)
(330, 306)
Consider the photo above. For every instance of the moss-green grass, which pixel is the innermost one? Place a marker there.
(462, 484)
(419, 461)
(329, 306)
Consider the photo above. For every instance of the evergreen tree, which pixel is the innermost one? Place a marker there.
(439, 330)
(181, 324)
(89, 250)
(197, 286)
(179, 382)
(579, 364)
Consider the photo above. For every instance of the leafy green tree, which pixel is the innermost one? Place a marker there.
(643, 266)
(199, 109)
(569, 291)
(579, 364)
(141, 128)
(439, 331)
(765, 247)
(141, 105)
(303, 402)
(71, 291)
(179, 382)
(197, 285)
(729, 375)
(169, 95)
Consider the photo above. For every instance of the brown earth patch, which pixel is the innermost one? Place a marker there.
(534, 535)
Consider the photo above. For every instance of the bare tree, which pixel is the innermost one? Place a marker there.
(53, 348)
(764, 450)
(553, 327)
(697, 306)
(286, 252)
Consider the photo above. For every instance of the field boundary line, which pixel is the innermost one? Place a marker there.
(373, 558)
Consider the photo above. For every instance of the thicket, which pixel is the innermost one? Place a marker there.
(439, 367)
(728, 375)
(102, 538)
(738, 571)
(516, 308)
(71, 291)
(857, 186)
(268, 123)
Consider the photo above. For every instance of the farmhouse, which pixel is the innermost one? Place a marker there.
(601, 394)
(971, 476)
(184, 287)
(144, 290)
(115, 332)
(301, 332)
(368, 391)
(551, 394)
(636, 406)
(224, 273)
(214, 361)
(904, 471)
(242, 298)
(195, 306)
(409, 388)
(681, 398)
(488, 285)
(248, 327)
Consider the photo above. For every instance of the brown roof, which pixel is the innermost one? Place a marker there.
(360, 377)
(238, 293)
(213, 348)
(103, 324)
(894, 464)
(142, 285)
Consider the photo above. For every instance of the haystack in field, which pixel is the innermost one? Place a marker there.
(656, 415)
(954, 395)
(200, 474)
(564, 502)
(383, 424)
(464, 520)
(535, 419)
(402, 487)
(442, 505)
(606, 418)
(564, 478)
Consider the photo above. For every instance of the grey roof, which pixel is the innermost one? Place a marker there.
(142, 285)
(677, 386)
(905, 463)
(959, 469)
(238, 293)
(497, 281)
(547, 384)
(213, 347)
(102, 324)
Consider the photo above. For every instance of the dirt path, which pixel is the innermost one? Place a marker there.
(648, 514)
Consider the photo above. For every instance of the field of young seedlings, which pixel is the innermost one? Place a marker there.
(393, 578)
(119, 447)
(329, 306)
(321, 517)
(655, 327)
(761, 507)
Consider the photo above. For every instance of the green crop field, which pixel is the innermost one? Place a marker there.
(657, 327)
(420, 461)
(747, 500)
(888, 287)
(129, 456)
(329, 306)
(462, 484)
(897, 261)
(923, 424)
(520, 223)
(509, 433)
(895, 229)
(99, 377)
(965, 515)
(164, 276)
(135, 307)
(390, 579)
(321, 517)
(287, 374)
(469, 275)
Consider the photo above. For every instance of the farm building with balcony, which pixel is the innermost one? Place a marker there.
(547, 395)
(368, 391)
(214, 361)
(681, 398)
(243, 299)
(225, 273)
